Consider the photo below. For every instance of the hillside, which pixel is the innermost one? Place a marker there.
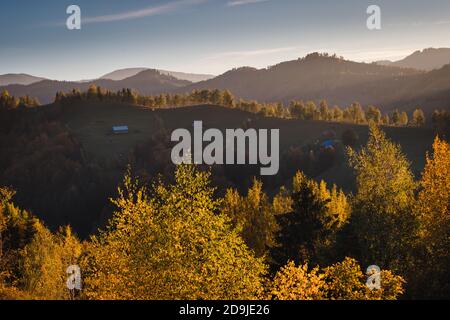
(129, 72)
(313, 77)
(23, 79)
(146, 82)
(339, 81)
(427, 59)
(66, 166)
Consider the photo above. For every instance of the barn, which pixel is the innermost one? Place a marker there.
(120, 129)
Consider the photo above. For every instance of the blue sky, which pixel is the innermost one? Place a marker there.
(207, 36)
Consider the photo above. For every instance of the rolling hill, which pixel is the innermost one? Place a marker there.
(69, 159)
(22, 78)
(311, 78)
(129, 72)
(315, 77)
(146, 82)
(339, 81)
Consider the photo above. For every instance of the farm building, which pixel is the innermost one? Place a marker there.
(327, 144)
(120, 129)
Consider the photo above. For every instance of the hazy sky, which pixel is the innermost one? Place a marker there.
(207, 36)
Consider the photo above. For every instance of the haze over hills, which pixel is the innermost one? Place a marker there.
(339, 81)
(147, 82)
(427, 59)
(129, 72)
(18, 78)
(315, 77)
(311, 78)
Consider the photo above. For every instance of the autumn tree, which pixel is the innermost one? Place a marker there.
(395, 119)
(45, 261)
(404, 118)
(346, 281)
(357, 113)
(384, 227)
(228, 99)
(340, 281)
(418, 118)
(254, 216)
(170, 245)
(324, 110)
(297, 283)
(373, 114)
(433, 207)
(33, 260)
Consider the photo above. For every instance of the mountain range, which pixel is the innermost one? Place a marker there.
(314, 77)
(147, 82)
(427, 59)
(18, 78)
(129, 72)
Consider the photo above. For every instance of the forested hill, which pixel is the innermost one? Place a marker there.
(146, 82)
(65, 163)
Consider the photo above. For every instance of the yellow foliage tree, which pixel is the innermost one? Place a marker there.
(253, 216)
(346, 281)
(45, 261)
(172, 245)
(341, 281)
(296, 283)
(433, 206)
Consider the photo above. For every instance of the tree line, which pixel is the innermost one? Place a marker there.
(8, 101)
(297, 109)
(309, 110)
(179, 240)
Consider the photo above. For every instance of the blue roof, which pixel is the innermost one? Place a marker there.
(328, 143)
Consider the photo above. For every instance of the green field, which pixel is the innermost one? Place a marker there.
(92, 126)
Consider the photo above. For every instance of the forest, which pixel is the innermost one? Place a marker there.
(177, 237)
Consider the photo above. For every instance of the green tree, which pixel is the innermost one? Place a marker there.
(306, 233)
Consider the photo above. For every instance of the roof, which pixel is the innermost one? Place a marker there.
(328, 144)
(120, 128)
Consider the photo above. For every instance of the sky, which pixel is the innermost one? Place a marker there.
(208, 36)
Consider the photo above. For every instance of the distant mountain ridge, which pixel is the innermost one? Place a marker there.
(18, 78)
(427, 59)
(314, 77)
(129, 72)
(147, 82)
(317, 76)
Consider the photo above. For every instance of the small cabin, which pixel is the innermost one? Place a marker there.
(120, 129)
(328, 144)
